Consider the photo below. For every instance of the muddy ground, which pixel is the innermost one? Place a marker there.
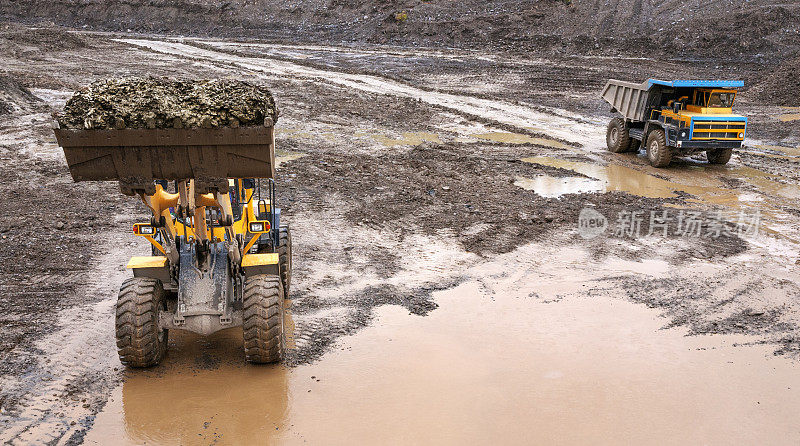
(401, 177)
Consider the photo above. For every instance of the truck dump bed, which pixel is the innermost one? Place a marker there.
(627, 98)
(137, 157)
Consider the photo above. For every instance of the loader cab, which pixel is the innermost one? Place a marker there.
(712, 101)
(241, 191)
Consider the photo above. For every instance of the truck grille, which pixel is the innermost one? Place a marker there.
(719, 130)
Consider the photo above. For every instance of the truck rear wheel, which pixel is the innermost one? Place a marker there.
(285, 256)
(617, 137)
(264, 339)
(658, 153)
(719, 156)
(141, 342)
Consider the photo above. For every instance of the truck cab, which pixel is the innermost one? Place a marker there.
(674, 118)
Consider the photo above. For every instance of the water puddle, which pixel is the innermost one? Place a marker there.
(608, 178)
(765, 194)
(284, 156)
(693, 178)
(788, 151)
(554, 187)
(519, 138)
(406, 139)
(787, 117)
(481, 368)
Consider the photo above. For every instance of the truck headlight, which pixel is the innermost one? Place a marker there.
(683, 134)
(741, 134)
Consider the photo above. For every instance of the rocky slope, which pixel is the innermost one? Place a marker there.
(758, 29)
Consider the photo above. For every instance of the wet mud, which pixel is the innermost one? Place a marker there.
(568, 359)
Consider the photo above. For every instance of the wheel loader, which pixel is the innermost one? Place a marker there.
(221, 257)
(675, 118)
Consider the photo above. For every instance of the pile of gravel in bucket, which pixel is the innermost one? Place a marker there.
(157, 103)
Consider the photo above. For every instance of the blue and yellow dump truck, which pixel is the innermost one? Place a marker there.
(675, 118)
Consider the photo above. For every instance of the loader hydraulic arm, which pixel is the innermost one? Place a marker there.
(192, 206)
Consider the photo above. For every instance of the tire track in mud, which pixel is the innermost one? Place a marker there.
(557, 124)
(76, 365)
(344, 271)
(335, 294)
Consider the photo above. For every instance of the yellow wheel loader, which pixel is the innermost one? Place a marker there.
(220, 256)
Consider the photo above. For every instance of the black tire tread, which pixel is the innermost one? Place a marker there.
(136, 323)
(663, 155)
(285, 257)
(719, 156)
(262, 319)
(623, 140)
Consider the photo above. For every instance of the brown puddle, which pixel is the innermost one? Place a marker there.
(793, 116)
(700, 180)
(519, 138)
(284, 156)
(506, 368)
(407, 139)
(553, 187)
(789, 117)
(790, 152)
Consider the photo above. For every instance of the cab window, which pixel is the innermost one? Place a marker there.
(724, 100)
(700, 98)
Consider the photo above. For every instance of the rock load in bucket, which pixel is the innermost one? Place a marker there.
(158, 103)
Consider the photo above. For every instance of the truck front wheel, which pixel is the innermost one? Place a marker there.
(617, 137)
(719, 156)
(658, 153)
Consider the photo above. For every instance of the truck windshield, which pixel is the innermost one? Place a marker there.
(724, 100)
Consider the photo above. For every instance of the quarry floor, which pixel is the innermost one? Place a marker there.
(442, 289)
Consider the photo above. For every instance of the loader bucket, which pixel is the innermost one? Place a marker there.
(136, 157)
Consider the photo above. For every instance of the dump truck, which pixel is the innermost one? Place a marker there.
(675, 118)
(221, 257)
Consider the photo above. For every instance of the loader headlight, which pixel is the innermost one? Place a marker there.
(741, 134)
(143, 229)
(683, 134)
(257, 227)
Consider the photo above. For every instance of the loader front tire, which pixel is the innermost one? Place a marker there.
(285, 257)
(658, 153)
(141, 342)
(264, 339)
(617, 137)
(719, 156)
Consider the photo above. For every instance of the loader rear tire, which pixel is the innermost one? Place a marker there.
(140, 340)
(658, 153)
(285, 256)
(719, 156)
(617, 137)
(264, 339)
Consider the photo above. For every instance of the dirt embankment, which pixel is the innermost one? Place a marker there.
(14, 97)
(779, 87)
(725, 29)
